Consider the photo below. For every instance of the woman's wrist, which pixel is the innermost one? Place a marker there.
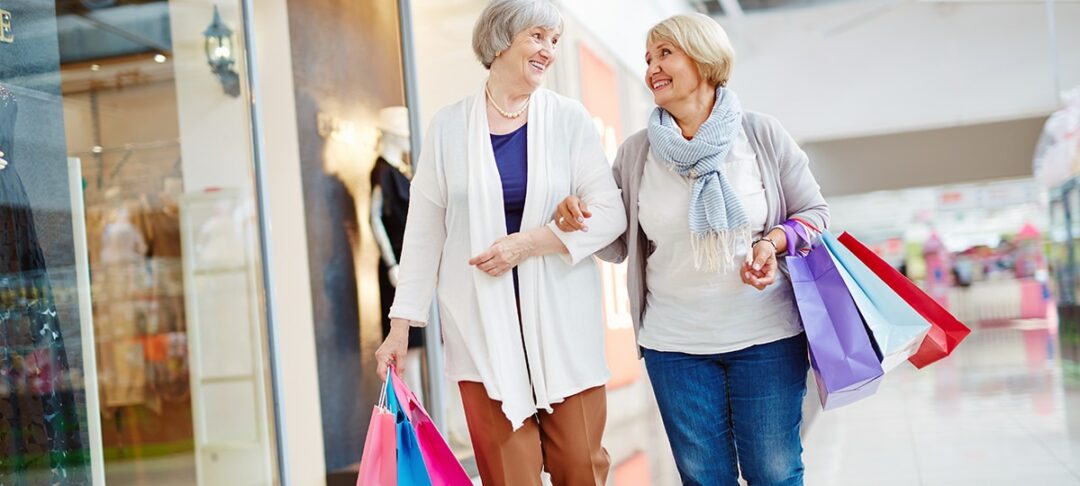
(542, 241)
(769, 241)
(400, 325)
(779, 239)
(527, 243)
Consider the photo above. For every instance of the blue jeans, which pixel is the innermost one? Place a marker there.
(742, 409)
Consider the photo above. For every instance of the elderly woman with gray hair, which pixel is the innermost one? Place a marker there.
(519, 299)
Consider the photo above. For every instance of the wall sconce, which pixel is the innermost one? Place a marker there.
(220, 54)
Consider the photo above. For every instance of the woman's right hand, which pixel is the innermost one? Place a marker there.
(571, 214)
(394, 348)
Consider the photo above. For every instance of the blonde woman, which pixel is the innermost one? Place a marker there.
(519, 299)
(705, 188)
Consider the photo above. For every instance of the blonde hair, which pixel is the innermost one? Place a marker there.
(502, 20)
(703, 40)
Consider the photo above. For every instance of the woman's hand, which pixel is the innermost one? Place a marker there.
(3, 163)
(760, 270)
(504, 254)
(394, 348)
(571, 214)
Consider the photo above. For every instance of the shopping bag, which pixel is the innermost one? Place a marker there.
(846, 367)
(411, 470)
(442, 465)
(946, 331)
(378, 465)
(896, 328)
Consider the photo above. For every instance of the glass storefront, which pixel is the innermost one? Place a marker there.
(134, 316)
(133, 343)
(353, 130)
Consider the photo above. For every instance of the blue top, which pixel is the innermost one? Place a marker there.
(512, 159)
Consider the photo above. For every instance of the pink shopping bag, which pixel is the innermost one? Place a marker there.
(378, 465)
(443, 467)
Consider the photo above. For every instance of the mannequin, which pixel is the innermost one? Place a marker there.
(389, 208)
(393, 149)
(37, 412)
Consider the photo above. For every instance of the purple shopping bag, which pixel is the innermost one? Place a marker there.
(442, 465)
(846, 366)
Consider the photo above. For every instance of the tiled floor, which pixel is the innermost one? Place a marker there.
(161, 471)
(998, 412)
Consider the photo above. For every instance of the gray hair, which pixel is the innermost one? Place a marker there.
(501, 20)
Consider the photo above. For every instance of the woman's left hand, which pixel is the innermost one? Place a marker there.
(760, 271)
(505, 254)
(3, 163)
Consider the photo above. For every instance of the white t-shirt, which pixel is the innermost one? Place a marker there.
(706, 312)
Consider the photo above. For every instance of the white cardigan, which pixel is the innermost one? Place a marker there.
(561, 315)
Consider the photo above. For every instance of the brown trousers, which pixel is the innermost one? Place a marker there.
(565, 443)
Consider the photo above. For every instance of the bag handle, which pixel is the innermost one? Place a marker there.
(807, 224)
(796, 234)
(382, 396)
(412, 406)
(393, 400)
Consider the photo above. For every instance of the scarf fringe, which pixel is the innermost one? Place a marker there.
(715, 251)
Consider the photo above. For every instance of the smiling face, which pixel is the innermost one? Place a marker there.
(672, 75)
(529, 56)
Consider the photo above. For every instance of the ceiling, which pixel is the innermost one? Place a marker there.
(953, 155)
(716, 7)
(91, 30)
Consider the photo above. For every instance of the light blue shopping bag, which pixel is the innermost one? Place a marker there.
(410, 460)
(897, 329)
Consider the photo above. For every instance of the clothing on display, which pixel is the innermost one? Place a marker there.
(143, 374)
(123, 280)
(391, 185)
(39, 426)
(161, 225)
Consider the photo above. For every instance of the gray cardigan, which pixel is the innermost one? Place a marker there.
(790, 191)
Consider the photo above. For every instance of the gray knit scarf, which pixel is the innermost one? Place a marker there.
(718, 222)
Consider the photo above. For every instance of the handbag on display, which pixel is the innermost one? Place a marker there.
(946, 332)
(896, 328)
(846, 365)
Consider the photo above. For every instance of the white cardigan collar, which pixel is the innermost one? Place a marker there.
(487, 223)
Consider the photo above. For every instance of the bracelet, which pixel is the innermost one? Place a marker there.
(766, 238)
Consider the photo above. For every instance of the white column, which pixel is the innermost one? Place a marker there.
(216, 145)
(214, 127)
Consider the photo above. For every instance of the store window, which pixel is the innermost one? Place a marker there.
(354, 134)
(132, 327)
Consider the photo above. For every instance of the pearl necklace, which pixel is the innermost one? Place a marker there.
(505, 113)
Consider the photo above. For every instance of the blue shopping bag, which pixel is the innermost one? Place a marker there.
(896, 327)
(411, 470)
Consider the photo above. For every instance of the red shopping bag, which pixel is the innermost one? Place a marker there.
(378, 465)
(946, 331)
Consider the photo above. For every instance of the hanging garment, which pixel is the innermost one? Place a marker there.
(39, 427)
